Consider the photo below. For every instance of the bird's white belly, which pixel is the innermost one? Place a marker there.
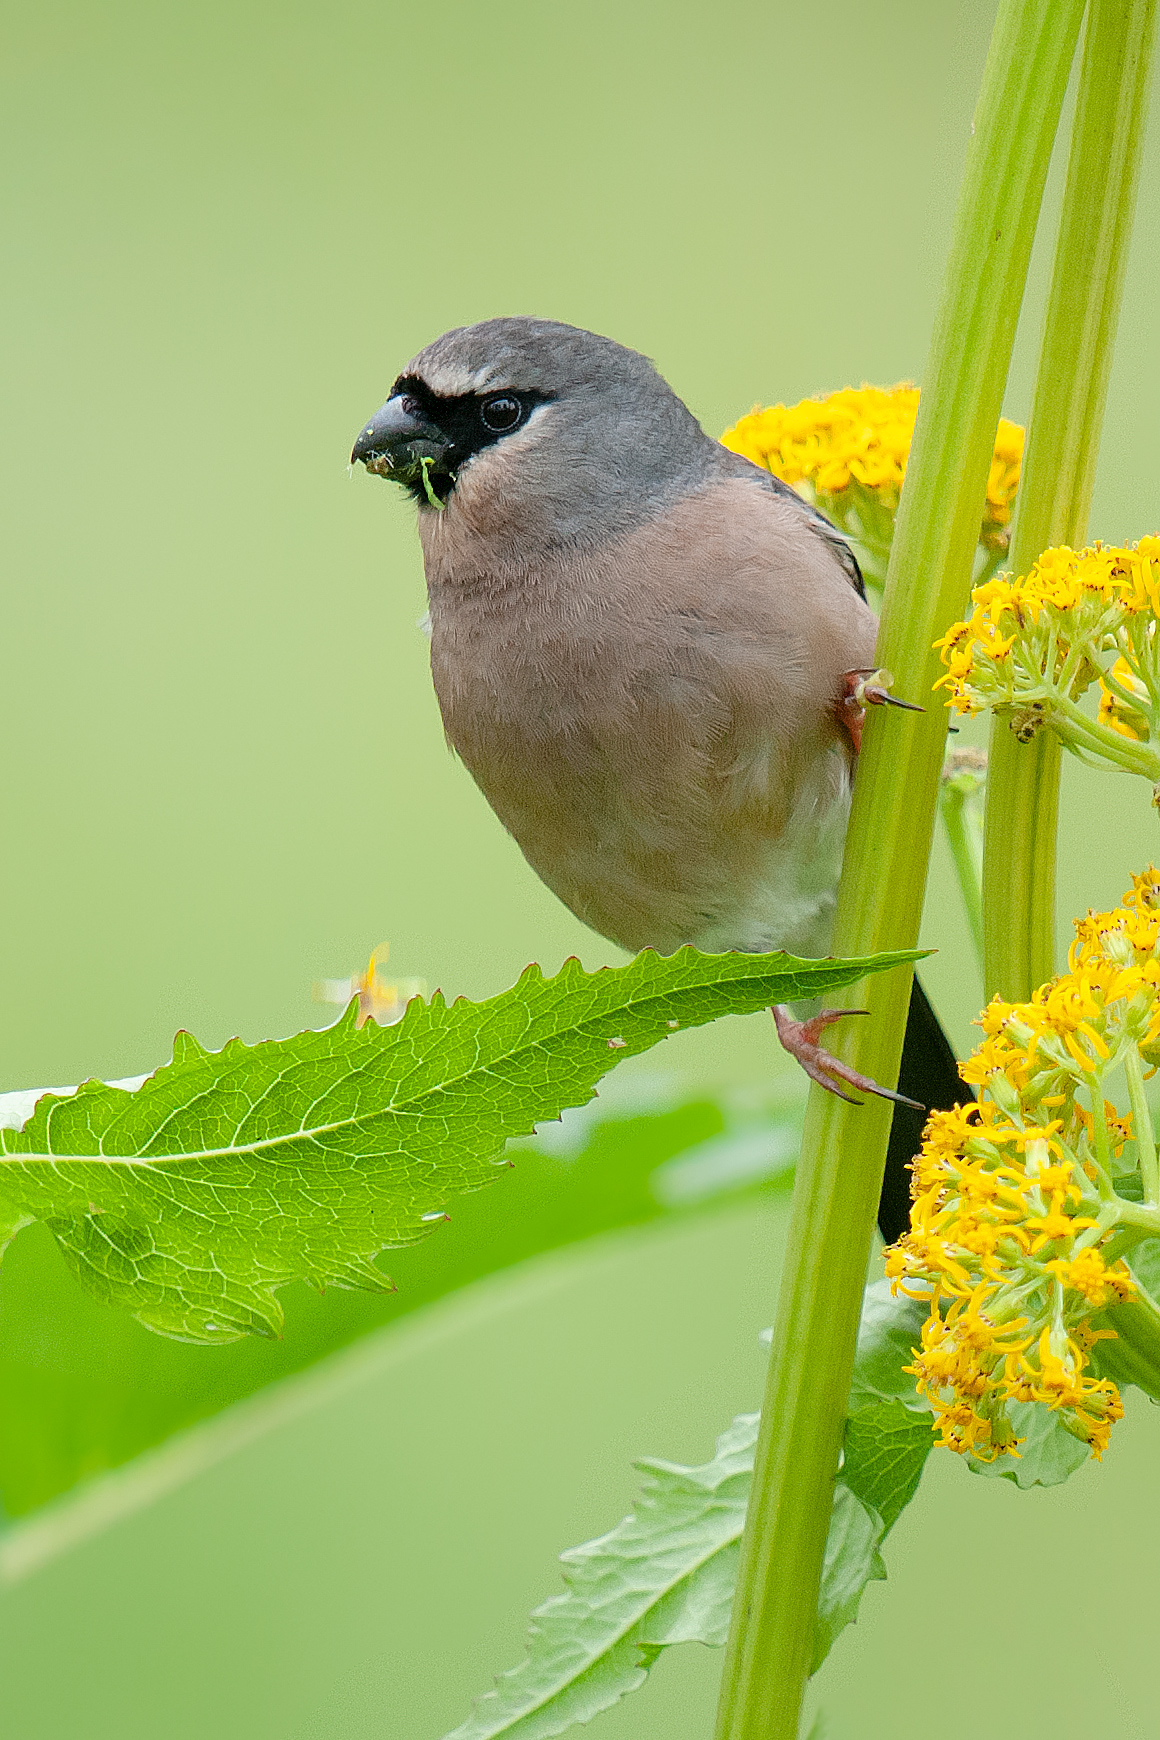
(788, 902)
(709, 874)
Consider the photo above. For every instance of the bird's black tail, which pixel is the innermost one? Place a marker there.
(928, 1073)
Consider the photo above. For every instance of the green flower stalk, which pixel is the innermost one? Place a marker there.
(1059, 470)
(964, 780)
(846, 453)
(839, 1176)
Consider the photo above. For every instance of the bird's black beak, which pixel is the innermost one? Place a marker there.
(402, 443)
(391, 430)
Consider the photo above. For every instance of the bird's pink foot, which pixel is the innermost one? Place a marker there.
(800, 1039)
(862, 689)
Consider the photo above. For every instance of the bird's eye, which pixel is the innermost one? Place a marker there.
(501, 412)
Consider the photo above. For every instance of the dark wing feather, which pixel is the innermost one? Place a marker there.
(928, 1073)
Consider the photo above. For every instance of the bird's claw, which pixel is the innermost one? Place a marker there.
(800, 1039)
(862, 689)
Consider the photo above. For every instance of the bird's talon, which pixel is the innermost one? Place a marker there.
(800, 1039)
(872, 689)
(862, 689)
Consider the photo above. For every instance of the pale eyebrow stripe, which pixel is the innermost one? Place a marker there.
(450, 381)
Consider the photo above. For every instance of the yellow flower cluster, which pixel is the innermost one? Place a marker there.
(1015, 1207)
(1034, 643)
(847, 452)
(860, 434)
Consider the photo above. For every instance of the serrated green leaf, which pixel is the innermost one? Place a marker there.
(852, 1560)
(668, 1572)
(888, 1426)
(889, 1331)
(113, 1389)
(192, 1200)
(884, 1449)
(664, 1575)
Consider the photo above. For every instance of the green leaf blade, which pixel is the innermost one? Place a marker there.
(889, 1331)
(664, 1575)
(667, 1574)
(851, 1561)
(884, 1453)
(193, 1199)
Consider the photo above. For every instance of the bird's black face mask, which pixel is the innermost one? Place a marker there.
(421, 439)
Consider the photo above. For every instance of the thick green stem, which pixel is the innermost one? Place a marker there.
(1056, 487)
(1022, 817)
(884, 875)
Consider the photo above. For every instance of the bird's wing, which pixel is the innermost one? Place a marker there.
(736, 465)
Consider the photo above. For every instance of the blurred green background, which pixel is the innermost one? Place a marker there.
(228, 227)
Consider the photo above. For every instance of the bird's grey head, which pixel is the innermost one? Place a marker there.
(563, 434)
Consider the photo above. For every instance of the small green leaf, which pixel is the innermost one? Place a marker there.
(1048, 1455)
(664, 1575)
(884, 1452)
(889, 1331)
(888, 1427)
(192, 1200)
(852, 1560)
(668, 1572)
